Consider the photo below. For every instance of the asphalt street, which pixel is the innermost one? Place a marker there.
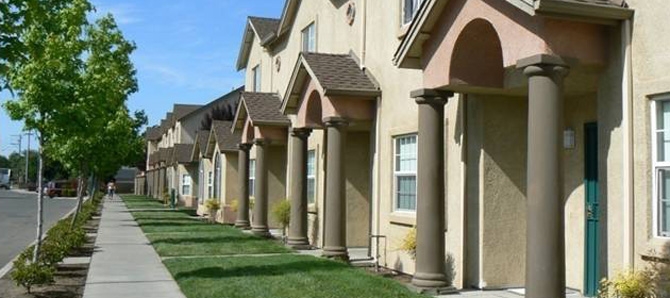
(18, 222)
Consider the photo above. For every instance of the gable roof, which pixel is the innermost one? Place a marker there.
(409, 52)
(181, 110)
(222, 135)
(153, 133)
(182, 153)
(261, 108)
(335, 74)
(263, 28)
(200, 145)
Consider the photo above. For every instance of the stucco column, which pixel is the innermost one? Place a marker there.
(335, 238)
(243, 182)
(297, 233)
(260, 220)
(545, 232)
(430, 272)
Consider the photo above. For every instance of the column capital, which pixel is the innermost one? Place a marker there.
(244, 146)
(543, 65)
(261, 142)
(300, 132)
(335, 121)
(431, 96)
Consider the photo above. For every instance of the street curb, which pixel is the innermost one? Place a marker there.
(8, 267)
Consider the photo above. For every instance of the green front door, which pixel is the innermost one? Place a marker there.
(591, 261)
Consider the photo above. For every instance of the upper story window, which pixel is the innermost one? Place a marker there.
(409, 8)
(309, 38)
(256, 71)
(661, 165)
(311, 176)
(404, 172)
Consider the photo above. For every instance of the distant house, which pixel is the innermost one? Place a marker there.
(125, 180)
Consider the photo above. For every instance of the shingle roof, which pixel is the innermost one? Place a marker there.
(153, 133)
(182, 153)
(153, 158)
(202, 137)
(162, 155)
(181, 110)
(264, 108)
(226, 140)
(339, 72)
(169, 153)
(264, 27)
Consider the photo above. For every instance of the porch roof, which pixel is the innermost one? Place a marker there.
(409, 52)
(182, 153)
(222, 135)
(200, 145)
(153, 133)
(261, 108)
(335, 74)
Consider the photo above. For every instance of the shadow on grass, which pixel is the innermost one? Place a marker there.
(217, 239)
(262, 270)
(189, 212)
(172, 223)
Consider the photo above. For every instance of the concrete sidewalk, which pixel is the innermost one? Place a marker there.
(124, 263)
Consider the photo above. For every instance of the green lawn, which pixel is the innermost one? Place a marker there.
(279, 276)
(141, 202)
(230, 263)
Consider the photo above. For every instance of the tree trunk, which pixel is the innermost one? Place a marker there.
(80, 199)
(40, 169)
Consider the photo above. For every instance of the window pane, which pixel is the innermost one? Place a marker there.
(311, 190)
(311, 163)
(663, 145)
(662, 115)
(406, 192)
(664, 203)
(406, 154)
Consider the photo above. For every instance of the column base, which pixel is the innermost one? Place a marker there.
(299, 243)
(433, 291)
(260, 231)
(336, 253)
(430, 280)
(242, 224)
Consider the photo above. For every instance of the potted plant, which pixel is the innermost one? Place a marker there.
(212, 206)
(282, 213)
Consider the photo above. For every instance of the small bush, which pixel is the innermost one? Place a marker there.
(282, 213)
(27, 274)
(629, 284)
(234, 205)
(408, 244)
(212, 205)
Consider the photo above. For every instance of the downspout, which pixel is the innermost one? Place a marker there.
(627, 111)
(364, 25)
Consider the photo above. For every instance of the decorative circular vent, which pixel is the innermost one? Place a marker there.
(278, 63)
(351, 13)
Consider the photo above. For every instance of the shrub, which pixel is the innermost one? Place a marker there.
(408, 244)
(282, 212)
(629, 284)
(234, 205)
(212, 205)
(28, 274)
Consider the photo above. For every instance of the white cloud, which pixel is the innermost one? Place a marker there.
(124, 13)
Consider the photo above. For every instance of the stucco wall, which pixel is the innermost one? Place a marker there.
(357, 189)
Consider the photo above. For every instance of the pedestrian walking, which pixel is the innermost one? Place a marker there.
(111, 188)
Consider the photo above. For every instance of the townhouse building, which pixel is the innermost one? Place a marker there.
(524, 140)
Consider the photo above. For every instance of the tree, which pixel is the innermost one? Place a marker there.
(4, 162)
(46, 75)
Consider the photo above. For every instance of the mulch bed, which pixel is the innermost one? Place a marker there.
(69, 280)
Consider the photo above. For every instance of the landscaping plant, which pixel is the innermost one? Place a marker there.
(212, 206)
(408, 244)
(629, 284)
(282, 213)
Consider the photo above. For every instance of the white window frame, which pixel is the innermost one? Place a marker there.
(201, 182)
(403, 10)
(397, 174)
(312, 200)
(308, 36)
(657, 166)
(252, 178)
(256, 71)
(185, 182)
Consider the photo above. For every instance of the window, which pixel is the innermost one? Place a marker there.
(201, 180)
(210, 186)
(256, 71)
(309, 38)
(661, 165)
(252, 176)
(185, 185)
(404, 173)
(311, 176)
(217, 176)
(409, 10)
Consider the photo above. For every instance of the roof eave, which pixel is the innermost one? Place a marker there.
(587, 12)
(245, 47)
(352, 92)
(416, 36)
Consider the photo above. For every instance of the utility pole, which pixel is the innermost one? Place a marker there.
(20, 137)
(29, 134)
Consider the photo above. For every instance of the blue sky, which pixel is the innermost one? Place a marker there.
(186, 52)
